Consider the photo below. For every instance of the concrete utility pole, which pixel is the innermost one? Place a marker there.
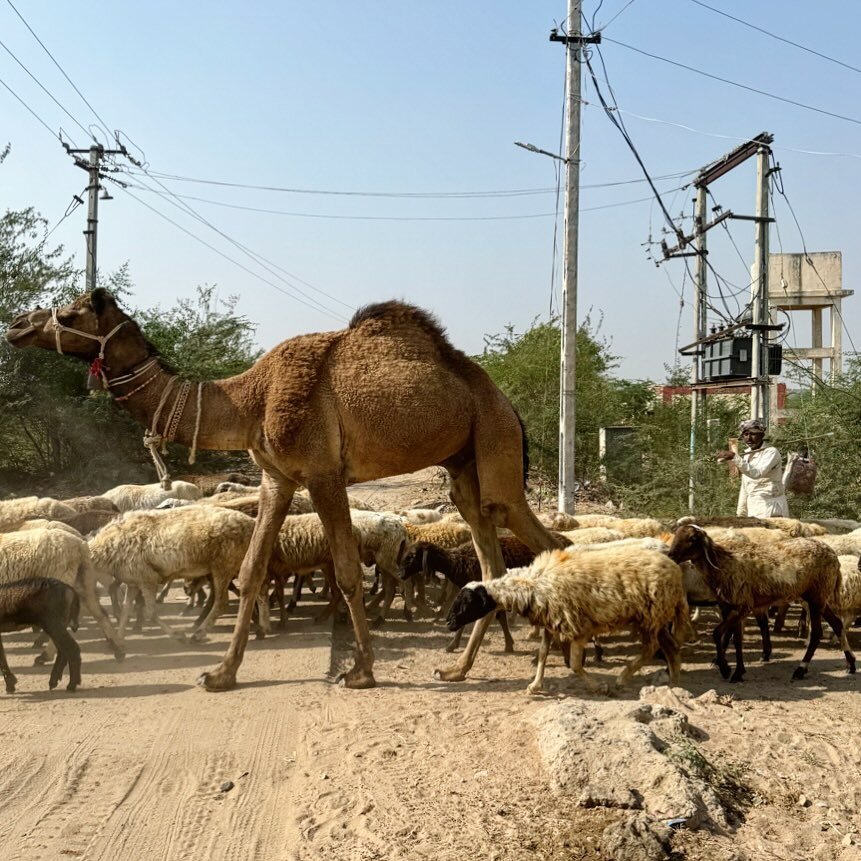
(96, 153)
(698, 396)
(573, 42)
(759, 391)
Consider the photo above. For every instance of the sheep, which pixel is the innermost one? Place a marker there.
(847, 603)
(460, 565)
(560, 521)
(751, 577)
(443, 533)
(748, 534)
(31, 552)
(249, 503)
(586, 521)
(638, 527)
(843, 545)
(89, 522)
(576, 596)
(593, 535)
(836, 526)
(16, 510)
(208, 483)
(419, 515)
(174, 503)
(39, 523)
(90, 503)
(143, 549)
(236, 487)
(138, 497)
(51, 605)
(798, 528)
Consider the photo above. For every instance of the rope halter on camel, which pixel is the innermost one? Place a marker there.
(97, 366)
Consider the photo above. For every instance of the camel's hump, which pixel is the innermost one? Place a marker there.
(399, 314)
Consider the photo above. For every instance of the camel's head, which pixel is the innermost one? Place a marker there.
(471, 603)
(77, 329)
(690, 543)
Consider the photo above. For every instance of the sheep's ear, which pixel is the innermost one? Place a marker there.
(101, 299)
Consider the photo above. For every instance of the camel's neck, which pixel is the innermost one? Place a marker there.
(209, 416)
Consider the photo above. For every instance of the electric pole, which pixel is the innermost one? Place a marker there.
(96, 153)
(698, 396)
(759, 391)
(573, 42)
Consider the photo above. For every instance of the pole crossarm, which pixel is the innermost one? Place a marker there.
(732, 159)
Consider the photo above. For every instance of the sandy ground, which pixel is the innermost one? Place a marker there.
(132, 765)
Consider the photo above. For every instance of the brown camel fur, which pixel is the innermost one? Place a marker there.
(385, 396)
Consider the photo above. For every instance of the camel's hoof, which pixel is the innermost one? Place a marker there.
(509, 648)
(183, 639)
(600, 689)
(357, 679)
(799, 673)
(119, 653)
(217, 680)
(39, 660)
(455, 674)
(71, 687)
(11, 681)
(534, 689)
(198, 637)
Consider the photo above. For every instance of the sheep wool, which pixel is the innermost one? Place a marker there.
(139, 497)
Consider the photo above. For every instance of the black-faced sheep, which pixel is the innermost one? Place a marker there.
(576, 596)
(750, 577)
(51, 605)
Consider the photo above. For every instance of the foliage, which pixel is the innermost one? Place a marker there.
(54, 435)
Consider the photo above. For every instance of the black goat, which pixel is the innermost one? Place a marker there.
(51, 605)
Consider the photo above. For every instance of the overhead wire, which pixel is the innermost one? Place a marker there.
(50, 95)
(62, 70)
(15, 95)
(765, 93)
(778, 38)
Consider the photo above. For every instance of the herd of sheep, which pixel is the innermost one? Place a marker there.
(635, 574)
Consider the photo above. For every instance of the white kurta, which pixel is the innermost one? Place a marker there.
(762, 493)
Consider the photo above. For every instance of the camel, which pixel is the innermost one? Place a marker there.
(387, 395)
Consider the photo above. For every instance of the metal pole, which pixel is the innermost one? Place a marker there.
(698, 398)
(567, 397)
(759, 293)
(92, 216)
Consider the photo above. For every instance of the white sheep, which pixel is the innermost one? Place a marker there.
(419, 515)
(139, 497)
(843, 545)
(27, 507)
(236, 487)
(144, 549)
(593, 535)
(576, 596)
(63, 556)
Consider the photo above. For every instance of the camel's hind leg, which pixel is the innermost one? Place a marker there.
(465, 495)
(276, 492)
(329, 495)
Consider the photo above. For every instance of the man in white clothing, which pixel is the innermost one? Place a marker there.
(762, 493)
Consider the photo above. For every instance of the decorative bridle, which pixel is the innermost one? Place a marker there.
(98, 379)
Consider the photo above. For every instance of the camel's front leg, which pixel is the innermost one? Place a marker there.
(329, 495)
(465, 494)
(275, 497)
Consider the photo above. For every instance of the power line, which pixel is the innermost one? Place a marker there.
(57, 64)
(227, 256)
(775, 36)
(515, 192)
(750, 89)
(45, 89)
(257, 258)
(604, 26)
(50, 131)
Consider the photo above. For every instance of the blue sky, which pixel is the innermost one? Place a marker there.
(408, 97)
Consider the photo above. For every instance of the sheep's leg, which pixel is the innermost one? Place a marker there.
(577, 654)
(116, 598)
(219, 581)
(375, 586)
(802, 622)
(68, 652)
(8, 675)
(333, 592)
(502, 618)
(140, 610)
(329, 496)
(812, 642)
(599, 650)
(670, 647)
(125, 613)
(454, 643)
(279, 600)
(388, 595)
(466, 495)
(731, 615)
(409, 589)
(537, 684)
(780, 617)
(297, 591)
(207, 606)
(839, 629)
(647, 651)
(762, 622)
(162, 593)
(87, 578)
(565, 647)
(738, 642)
(151, 611)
